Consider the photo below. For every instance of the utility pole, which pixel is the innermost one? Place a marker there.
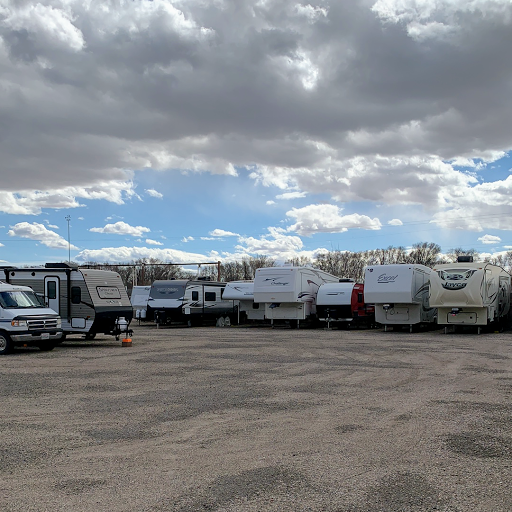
(68, 218)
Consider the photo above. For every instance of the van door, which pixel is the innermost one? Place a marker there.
(52, 292)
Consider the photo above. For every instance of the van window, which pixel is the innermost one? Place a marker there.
(210, 296)
(76, 295)
(195, 295)
(51, 290)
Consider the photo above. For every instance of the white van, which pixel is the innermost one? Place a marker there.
(25, 320)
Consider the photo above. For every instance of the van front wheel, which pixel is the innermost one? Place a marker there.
(5, 344)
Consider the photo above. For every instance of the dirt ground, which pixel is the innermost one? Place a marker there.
(259, 419)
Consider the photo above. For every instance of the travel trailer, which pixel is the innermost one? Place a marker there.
(400, 293)
(289, 293)
(89, 301)
(139, 299)
(469, 293)
(189, 301)
(242, 292)
(25, 320)
(343, 304)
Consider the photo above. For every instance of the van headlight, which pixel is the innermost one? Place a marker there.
(19, 323)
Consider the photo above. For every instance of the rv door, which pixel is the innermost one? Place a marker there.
(51, 292)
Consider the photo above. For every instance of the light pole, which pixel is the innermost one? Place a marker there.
(68, 218)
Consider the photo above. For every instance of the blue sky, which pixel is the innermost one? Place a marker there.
(188, 132)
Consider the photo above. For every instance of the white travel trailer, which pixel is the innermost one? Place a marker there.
(242, 292)
(25, 320)
(343, 303)
(289, 293)
(139, 299)
(89, 301)
(189, 301)
(400, 293)
(469, 293)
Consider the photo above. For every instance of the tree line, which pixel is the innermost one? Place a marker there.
(346, 264)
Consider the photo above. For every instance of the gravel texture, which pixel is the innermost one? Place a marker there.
(259, 419)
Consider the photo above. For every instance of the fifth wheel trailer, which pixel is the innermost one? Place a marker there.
(470, 293)
(89, 301)
(400, 293)
(289, 293)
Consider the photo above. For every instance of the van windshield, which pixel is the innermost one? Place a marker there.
(20, 299)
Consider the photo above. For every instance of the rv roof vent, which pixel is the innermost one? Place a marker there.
(346, 280)
(62, 264)
(204, 278)
(465, 259)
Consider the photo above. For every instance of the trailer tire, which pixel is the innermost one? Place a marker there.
(90, 335)
(221, 322)
(227, 321)
(6, 344)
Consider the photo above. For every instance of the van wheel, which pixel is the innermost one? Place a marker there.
(6, 344)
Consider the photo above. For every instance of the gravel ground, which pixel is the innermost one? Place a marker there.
(259, 419)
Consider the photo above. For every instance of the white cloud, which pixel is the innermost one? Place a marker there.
(395, 222)
(187, 239)
(221, 232)
(291, 195)
(489, 239)
(153, 242)
(154, 193)
(121, 228)
(129, 254)
(326, 218)
(39, 232)
(208, 238)
(270, 202)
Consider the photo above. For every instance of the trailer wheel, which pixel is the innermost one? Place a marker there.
(6, 344)
(221, 322)
(90, 335)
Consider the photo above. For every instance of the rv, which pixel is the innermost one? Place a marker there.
(289, 293)
(242, 292)
(139, 299)
(469, 293)
(400, 293)
(193, 302)
(25, 320)
(343, 303)
(89, 301)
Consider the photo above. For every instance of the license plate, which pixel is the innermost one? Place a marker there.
(45, 336)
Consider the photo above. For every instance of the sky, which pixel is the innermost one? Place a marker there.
(213, 130)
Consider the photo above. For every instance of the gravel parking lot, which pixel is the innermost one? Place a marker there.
(259, 419)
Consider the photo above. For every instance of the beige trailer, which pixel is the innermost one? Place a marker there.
(469, 293)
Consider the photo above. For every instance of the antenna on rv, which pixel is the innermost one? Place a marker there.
(68, 218)
(198, 269)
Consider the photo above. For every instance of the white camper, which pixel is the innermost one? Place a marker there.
(469, 293)
(191, 301)
(139, 299)
(89, 301)
(25, 320)
(242, 292)
(289, 293)
(400, 293)
(343, 304)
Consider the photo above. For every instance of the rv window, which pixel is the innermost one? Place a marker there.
(360, 298)
(195, 295)
(255, 305)
(51, 289)
(76, 295)
(210, 296)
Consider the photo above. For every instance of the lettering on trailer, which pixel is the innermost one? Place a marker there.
(240, 289)
(384, 278)
(108, 292)
(273, 282)
(455, 279)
